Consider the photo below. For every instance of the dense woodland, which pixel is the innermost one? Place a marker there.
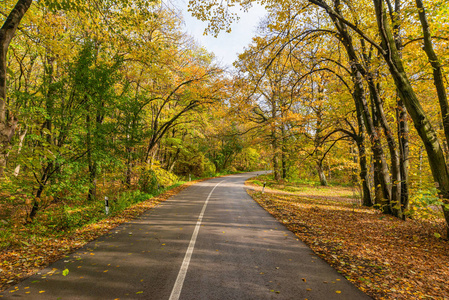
(111, 98)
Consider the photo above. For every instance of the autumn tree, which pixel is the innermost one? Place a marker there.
(96, 90)
(383, 39)
(8, 121)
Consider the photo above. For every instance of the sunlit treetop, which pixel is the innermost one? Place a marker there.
(84, 5)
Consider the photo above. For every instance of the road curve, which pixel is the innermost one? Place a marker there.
(211, 241)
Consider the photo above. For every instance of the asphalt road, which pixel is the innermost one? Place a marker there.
(211, 241)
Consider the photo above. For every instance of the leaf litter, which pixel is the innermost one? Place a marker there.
(383, 256)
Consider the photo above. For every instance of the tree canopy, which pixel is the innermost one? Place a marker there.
(102, 97)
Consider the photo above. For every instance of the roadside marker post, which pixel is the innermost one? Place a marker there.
(106, 205)
(263, 189)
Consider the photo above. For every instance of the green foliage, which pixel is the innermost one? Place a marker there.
(66, 218)
(126, 199)
(425, 204)
(56, 5)
(209, 168)
(83, 6)
(231, 146)
(257, 182)
(194, 164)
(153, 178)
(249, 159)
(148, 181)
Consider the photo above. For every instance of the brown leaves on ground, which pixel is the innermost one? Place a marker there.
(19, 262)
(383, 256)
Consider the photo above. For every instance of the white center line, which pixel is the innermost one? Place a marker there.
(176, 292)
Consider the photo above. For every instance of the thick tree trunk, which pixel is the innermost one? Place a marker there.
(321, 175)
(395, 198)
(92, 193)
(364, 174)
(7, 123)
(36, 203)
(276, 169)
(381, 173)
(401, 112)
(381, 178)
(367, 199)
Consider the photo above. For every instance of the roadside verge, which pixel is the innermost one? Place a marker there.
(383, 256)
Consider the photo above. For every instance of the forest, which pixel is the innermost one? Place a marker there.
(110, 98)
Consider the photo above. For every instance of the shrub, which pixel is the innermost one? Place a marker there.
(152, 178)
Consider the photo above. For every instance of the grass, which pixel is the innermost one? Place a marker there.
(307, 188)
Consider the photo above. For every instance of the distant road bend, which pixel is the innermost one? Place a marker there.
(211, 241)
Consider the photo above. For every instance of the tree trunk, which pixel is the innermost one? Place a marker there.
(381, 173)
(401, 114)
(366, 190)
(277, 173)
(92, 194)
(318, 143)
(283, 154)
(8, 123)
(36, 203)
(274, 144)
(395, 197)
(354, 156)
(174, 160)
(420, 166)
(90, 161)
(364, 174)
(422, 124)
(42, 183)
(21, 139)
(128, 167)
(404, 153)
(438, 78)
(129, 158)
(321, 175)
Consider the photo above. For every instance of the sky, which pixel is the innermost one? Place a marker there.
(227, 45)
